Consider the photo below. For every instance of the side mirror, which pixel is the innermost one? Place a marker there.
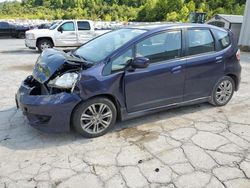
(140, 62)
(60, 29)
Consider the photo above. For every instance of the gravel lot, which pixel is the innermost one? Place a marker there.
(195, 146)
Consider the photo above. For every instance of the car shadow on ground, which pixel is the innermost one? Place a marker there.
(16, 134)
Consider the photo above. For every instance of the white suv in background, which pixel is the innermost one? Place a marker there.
(67, 33)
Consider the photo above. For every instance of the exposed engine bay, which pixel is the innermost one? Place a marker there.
(55, 72)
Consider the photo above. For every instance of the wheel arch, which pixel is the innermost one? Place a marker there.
(235, 79)
(42, 38)
(112, 98)
(19, 34)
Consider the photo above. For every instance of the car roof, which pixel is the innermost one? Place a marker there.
(162, 26)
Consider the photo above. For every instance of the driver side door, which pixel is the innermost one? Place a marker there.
(162, 82)
(66, 35)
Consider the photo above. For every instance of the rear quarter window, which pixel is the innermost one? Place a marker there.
(223, 38)
(200, 41)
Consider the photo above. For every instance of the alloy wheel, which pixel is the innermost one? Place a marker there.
(224, 92)
(96, 118)
(45, 45)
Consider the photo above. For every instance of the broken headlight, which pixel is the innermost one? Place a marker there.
(65, 81)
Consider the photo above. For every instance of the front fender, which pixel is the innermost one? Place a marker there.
(93, 84)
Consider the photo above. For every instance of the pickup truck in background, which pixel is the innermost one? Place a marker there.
(66, 33)
(11, 30)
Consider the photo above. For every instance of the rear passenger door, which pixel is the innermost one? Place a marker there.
(204, 65)
(84, 33)
(162, 82)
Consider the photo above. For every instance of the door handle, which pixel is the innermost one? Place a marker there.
(176, 69)
(219, 59)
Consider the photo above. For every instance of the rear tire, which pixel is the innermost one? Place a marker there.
(94, 117)
(44, 44)
(223, 91)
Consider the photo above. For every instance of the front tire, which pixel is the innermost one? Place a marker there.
(95, 117)
(223, 91)
(44, 44)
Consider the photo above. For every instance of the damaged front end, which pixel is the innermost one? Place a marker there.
(49, 95)
(58, 71)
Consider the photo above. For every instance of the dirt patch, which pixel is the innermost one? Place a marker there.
(22, 67)
(240, 108)
(138, 136)
(244, 82)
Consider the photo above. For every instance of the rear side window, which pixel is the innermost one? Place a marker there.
(83, 26)
(223, 39)
(200, 41)
(160, 47)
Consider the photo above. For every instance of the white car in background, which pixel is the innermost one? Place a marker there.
(66, 33)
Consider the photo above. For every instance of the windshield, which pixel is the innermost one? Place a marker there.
(54, 25)
(99, 48)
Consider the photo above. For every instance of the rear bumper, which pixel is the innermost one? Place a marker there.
(48, 113)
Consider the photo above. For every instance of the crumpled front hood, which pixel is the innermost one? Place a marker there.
(48, 63)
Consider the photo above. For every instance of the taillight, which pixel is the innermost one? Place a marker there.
(238, 55)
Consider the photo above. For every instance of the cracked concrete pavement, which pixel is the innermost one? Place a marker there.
(189, 147)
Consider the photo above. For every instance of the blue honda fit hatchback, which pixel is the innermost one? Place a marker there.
(128, 73)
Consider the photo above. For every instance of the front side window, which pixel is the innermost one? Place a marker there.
(160, 47)
(83, 26)
(69, 26)
(200, 41)
(122, 61)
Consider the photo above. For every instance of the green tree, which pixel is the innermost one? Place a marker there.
(123, 10)
(147, 12)
(172, 17)
(184, 14)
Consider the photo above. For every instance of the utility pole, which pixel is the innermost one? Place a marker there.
(244, 41)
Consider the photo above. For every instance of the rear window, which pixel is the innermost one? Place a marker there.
(200, 41)
(223, 39)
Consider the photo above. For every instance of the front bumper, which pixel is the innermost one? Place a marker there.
(30, 43)
(48, 113)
